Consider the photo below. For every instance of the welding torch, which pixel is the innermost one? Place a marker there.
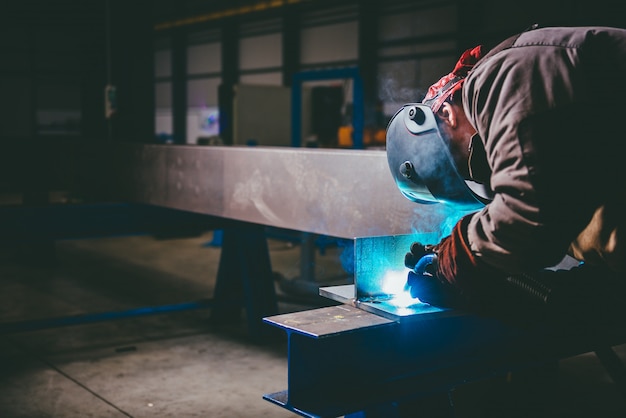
(546, 291)
(423, 283)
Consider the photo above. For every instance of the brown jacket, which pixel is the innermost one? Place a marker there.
(550, 106)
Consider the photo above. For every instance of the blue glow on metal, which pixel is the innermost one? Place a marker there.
(380, 274)
(381, 278)
(378, 266)
(393, 282)
(440, 221)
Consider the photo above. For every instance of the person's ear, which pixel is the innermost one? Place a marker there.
(448, 115)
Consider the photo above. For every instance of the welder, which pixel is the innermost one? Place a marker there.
(537, 121)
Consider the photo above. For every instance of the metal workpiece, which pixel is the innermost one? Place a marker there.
(345, 360)
(328, 321)
(380, 280)
(334, 192)
(395, 308)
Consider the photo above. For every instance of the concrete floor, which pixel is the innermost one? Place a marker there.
(176, 364)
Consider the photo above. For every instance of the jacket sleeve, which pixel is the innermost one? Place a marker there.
(527, 103)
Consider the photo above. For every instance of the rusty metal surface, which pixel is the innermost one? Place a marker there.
(325, 322)
(396, 309)
(379, 271)
(380, 279)
(341, 193)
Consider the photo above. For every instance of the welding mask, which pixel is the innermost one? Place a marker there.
(421, 162)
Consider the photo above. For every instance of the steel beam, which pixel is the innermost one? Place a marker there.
(340, 193)
(343, 360)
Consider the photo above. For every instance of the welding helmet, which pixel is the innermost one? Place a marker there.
(421, 162)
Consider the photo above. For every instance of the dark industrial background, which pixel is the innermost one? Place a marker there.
(58, 56)
(175, 70)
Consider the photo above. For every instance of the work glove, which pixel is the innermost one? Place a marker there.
(454, 278)
(447, 275)
(423, 282)
(416, 252)
(520, 300)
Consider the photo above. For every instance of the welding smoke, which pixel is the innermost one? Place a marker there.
(393, 80)
(431, 223)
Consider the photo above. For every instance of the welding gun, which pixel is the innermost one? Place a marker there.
(423, 283)
(423, 273)
(573, 296)
(542, 291)
(520, 299)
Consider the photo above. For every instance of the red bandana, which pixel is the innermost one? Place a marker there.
(447, 85)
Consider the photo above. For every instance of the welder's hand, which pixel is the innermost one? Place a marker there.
(422, 283)
(461, 280)
(417, 251)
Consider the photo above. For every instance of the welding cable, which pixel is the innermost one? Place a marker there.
(585, 300)
(537, 290)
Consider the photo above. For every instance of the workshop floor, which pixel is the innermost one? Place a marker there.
(174, 364)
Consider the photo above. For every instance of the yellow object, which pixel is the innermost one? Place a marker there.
(371, 136)
(345, 136)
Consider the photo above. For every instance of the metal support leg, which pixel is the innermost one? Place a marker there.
(307, 259)
(245, 278)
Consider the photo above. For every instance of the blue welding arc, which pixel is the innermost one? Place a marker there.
(33, 325)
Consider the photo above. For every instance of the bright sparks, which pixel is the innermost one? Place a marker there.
(394, 283)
